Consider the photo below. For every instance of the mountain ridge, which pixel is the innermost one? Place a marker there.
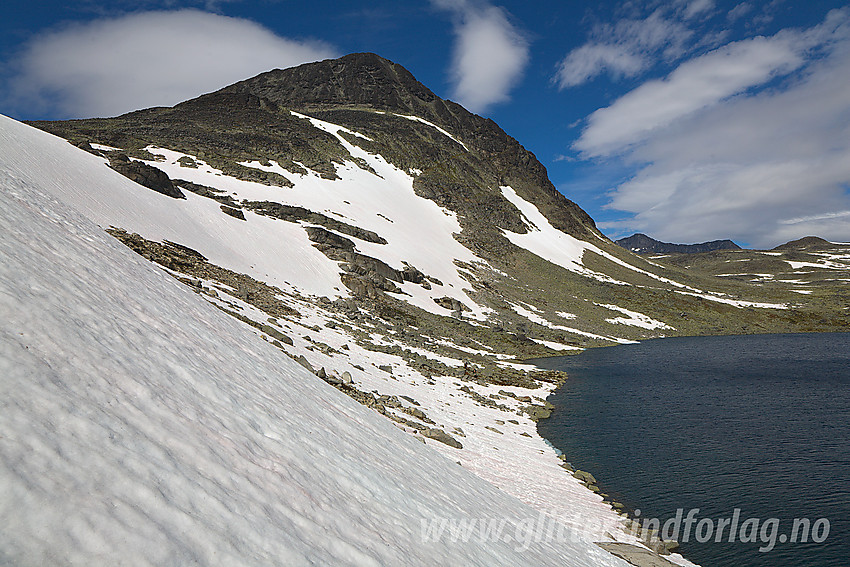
(640, 243)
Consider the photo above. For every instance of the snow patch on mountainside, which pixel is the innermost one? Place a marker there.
(426, 122)
(535, 318)
(739, 303)
(278, 253)
(565, 250)
(417, 230)
(634, 318)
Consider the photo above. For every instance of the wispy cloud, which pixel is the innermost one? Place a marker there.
(490, 53)
(113, 65)
(697, 8)
(627, 47)
(588, 61)
(739, 11)
(729, 161)
(696, 84)
(822, 216)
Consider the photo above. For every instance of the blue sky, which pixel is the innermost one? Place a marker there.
(688, 120)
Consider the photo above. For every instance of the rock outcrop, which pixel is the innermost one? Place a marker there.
(145, 175)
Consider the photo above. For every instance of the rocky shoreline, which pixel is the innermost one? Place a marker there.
(652, 549)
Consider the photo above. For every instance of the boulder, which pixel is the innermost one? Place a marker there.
(451, 304)
(275, 334)
(411, 274)
(442, 437)
(235, 213)
(584, 477)
(145, 175)
(302, 360)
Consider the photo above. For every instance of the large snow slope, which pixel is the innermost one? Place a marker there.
(139, 425)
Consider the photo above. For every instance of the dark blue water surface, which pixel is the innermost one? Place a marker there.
(760, 423)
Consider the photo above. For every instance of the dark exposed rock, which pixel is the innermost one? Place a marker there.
(360, 287)
(302, 360)
(417, 413)
(235, 213)
(536, 413)
(365, 276)
(635, 555)
(483, 400)
(451, 304)
(294, 214)
(186, 161)
(411, 274)
(325, 239)
(275, 334)
(86, 146)
(363, 265)
(208, 192)
(145, 175)
(584, 477)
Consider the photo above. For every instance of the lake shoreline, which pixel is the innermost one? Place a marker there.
(578, 461)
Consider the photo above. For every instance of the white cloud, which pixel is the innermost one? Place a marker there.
(114, 65)
(739, 11)
(823, 216)
(694, 85)
(490, 54)
(698, 8)
(590, 60)
(625, 48)
(761, 167)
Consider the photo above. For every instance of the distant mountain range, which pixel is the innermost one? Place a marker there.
(642, 244)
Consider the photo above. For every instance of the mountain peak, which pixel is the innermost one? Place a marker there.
(358, 79)
(464, 159)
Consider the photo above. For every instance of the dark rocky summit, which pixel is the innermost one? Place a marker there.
(642, 244)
